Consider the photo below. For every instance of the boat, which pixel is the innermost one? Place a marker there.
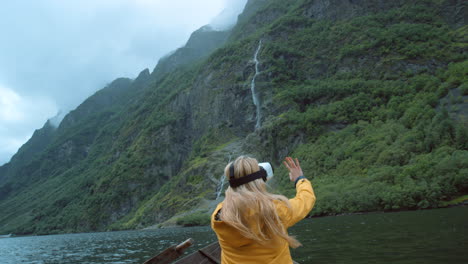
(210, 254)
(5, 236)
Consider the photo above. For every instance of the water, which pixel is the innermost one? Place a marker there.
(429, 236)
(255, 98)
(105, 247)
(219, 188)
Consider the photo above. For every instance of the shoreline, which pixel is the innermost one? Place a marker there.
(465, 203)
(152, 228)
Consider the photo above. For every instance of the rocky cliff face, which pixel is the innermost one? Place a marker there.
(141, 151)
(346, 9)
(200, 44)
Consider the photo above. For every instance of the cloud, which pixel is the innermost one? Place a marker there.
(56, 53)
(19, 115)
(228, 17)
(16, 109)
(55, 47)
(8, 101)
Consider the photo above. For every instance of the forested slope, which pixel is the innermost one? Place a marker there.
(370, 95)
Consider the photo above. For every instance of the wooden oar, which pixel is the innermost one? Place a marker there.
(170, 254)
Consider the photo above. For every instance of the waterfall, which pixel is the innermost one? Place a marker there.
(222, 180)
(220, 186)
(255, 98)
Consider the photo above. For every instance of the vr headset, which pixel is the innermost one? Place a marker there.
(265, 172)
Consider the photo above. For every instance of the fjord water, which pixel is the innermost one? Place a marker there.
(428, 236)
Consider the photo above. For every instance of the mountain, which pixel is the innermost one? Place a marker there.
(370, 95)
(201, 43)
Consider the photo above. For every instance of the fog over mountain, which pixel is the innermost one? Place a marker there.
(57, 53)
(227, 18)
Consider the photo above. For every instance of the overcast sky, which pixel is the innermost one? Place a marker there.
(56, 53)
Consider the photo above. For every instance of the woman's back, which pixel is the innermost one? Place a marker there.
(236, 248)
(262, 244)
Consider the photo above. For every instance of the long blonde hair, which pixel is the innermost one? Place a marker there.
(250, 208)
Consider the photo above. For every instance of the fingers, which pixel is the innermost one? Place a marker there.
(294, 167)
(290, 163)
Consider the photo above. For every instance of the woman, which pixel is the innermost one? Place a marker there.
(251, 223)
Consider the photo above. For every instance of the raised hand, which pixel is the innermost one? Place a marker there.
(294, 168)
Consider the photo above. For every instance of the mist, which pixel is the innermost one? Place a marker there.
(228, 17)
(55, 54)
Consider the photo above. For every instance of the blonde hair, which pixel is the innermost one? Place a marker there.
(250, 208)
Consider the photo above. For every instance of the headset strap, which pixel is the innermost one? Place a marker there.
(261, 174)
(231, 171)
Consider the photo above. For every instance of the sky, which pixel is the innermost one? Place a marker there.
(56, 53)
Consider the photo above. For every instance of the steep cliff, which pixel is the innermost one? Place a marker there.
(350, 87)
(200, 44)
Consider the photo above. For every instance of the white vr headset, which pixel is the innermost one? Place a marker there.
(265, 173)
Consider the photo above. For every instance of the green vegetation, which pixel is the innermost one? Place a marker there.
(195, 219)
(373, 105)
(382, 166)
(456, 201)
(377, 137)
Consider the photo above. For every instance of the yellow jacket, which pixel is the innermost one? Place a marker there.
(237, 249)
